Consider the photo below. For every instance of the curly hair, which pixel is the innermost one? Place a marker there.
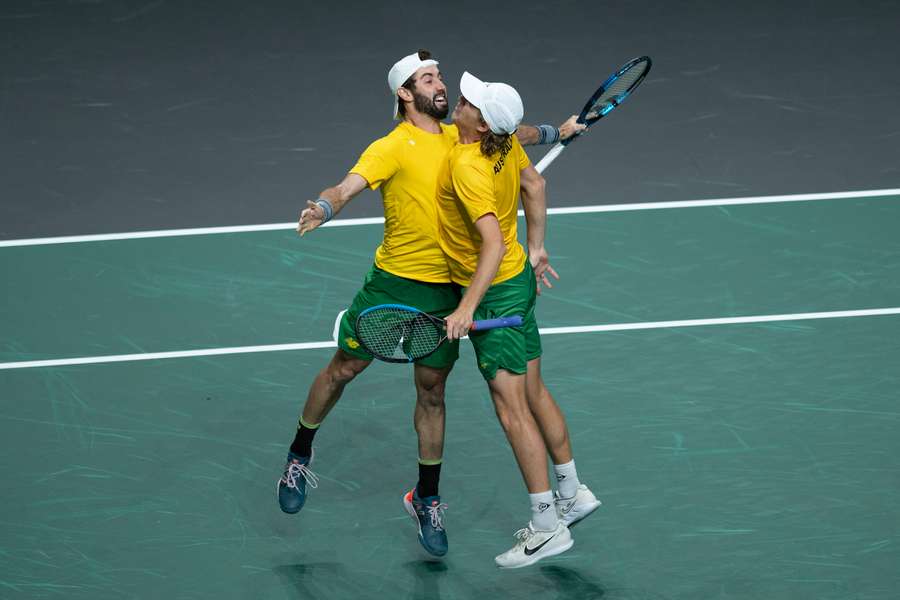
(492, 143)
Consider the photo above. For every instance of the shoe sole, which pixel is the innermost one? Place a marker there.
(583, 514)
(535, 558)
(412, 513)
(288, 512)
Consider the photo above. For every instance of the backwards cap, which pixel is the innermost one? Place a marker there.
(402, 70)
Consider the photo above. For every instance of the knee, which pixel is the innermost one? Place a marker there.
(511, 414)
(431, 396)
(430, 389)
(341, 371)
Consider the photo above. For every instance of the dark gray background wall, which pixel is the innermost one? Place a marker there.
(123, 115)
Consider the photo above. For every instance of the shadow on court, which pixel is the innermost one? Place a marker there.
(570, 583)
(319, 580)
(557, 582)
(435, 580)
(428, 575)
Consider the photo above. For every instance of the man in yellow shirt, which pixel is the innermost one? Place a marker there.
(477, 197)
(409, 268)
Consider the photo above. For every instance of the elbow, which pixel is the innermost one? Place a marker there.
(494, 248)
(536, 186)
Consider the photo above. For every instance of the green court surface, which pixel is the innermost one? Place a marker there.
(734, 460)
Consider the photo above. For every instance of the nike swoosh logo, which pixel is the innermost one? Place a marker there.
(565, 510)
(530, 551)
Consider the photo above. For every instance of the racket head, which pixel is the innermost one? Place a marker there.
(614, 91)
(398, 333)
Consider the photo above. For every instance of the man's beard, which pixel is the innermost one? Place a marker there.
(426, 105)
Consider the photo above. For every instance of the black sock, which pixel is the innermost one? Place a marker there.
(302, 444)
(429, 476)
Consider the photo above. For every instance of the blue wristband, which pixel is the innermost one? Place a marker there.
(326, 208)
(548, 134)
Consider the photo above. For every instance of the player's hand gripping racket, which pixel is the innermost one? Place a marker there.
(402, 334)
(607, 97)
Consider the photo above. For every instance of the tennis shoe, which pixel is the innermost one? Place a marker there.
(531, 546)
(292, 485)
(428, 514)
(571, 510)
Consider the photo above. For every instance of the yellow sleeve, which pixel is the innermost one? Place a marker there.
(378, 163)
(475, 189)
(522, 157)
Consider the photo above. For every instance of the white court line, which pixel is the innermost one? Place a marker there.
(91, 360)
(870, 312)
(547, 331)
(102, 237)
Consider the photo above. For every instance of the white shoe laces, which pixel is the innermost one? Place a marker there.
(437, 515)
(524, 535)
(293, 473)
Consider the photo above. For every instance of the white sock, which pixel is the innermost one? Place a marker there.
(567, 479)
(543, 511)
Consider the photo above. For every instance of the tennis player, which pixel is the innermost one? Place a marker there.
(477, 197)
(409, 268)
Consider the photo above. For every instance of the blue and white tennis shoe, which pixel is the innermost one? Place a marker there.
(292, 485)
(428, 514)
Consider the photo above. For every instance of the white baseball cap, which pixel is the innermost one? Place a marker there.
(402, 70)
(499, 103)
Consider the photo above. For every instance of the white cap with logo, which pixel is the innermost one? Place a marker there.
(402, 70)
(499, 103)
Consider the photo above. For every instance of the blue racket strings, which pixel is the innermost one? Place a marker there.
(616, 90)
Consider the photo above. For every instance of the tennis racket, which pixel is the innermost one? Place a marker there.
(607, 97)
(401, 334)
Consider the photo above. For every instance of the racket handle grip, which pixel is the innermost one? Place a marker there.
(495, 323)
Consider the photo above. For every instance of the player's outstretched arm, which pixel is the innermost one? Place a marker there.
(330, 203)
(534, 201)
(530, 135)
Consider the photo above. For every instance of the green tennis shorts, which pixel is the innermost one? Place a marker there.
(508, 348)
(381, 287)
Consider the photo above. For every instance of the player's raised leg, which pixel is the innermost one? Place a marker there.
(324, 392)
(574, 501)
(545, 535)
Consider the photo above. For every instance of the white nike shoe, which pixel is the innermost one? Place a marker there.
(533, 545)
(571, 510)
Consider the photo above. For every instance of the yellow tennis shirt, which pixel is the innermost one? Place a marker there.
(471, 185)
(405, 165)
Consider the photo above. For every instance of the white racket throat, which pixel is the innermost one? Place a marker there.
(549, 157)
